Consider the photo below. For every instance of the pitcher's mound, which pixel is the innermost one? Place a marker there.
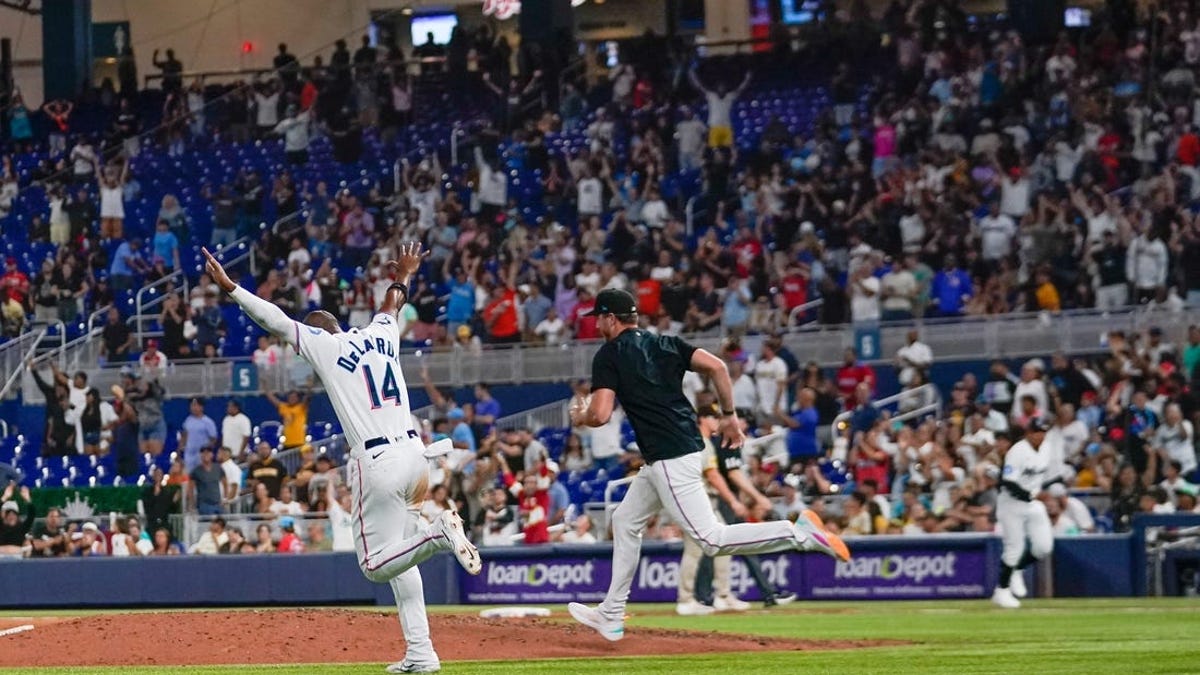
(342, 636)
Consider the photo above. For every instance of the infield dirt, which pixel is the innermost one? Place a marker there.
(343, 636)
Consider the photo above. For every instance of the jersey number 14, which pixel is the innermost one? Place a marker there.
(387, 391)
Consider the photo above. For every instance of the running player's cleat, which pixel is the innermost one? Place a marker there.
(811, 531)
(607, 628)
(1002, 597)
(452, 529)
(407, 666)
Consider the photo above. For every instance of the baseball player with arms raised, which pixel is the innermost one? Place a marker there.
(1025, 526)
(645, 373)
(387, 471)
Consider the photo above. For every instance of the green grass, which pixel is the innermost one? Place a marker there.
(1047, 636)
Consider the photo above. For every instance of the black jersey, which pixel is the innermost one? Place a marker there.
(645, 372)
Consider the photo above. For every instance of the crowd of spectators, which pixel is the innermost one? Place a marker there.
(972, 174)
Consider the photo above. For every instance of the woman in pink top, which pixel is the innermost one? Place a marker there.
(885, 147)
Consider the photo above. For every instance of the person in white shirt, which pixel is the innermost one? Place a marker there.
(864, 295)
(1069, 434)
(899, 289)
(286, 505)
(720, 109)
(550, 328)
(233, 473)
(266, 109)
(1073, 515)
(606, 442)
(493, 186)
(1060, 67)
(236, 429)
(995, 231)
(1174, 440)
(689, 139)
(693, 384)
(745, 393)
(770, 379)
(1146, 266)
(340, 521)
(915, 356)
(1031, 384)
(590, 195)
(1016, 193)
(295, 131)
(654, 211)
(210, 542)
(268, 354)
(580, 532)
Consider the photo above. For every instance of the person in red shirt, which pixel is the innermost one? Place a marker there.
(746, 249)
(290, 542)
(500, 316)
(649, 295)
(643, 92)
(850, 375)
(585, 326)
(14, 284)
(1188, 153)
(535, 508)
(794, 286)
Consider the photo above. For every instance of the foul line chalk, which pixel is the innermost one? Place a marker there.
(13, 631)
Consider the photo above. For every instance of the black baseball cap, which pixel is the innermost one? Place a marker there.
(614, 301)
(1039, 424)
(710, 410)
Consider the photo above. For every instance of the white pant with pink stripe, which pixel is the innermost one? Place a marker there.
(388, 484)
(678, 486)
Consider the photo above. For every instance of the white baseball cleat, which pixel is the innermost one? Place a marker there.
(407, 666)
(730, 603)
(693, 608)
(452, 528)
(1002, 597)
(1017, 584)
(811, 532)
(607, 628)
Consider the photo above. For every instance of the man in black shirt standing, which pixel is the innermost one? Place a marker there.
(645, 373)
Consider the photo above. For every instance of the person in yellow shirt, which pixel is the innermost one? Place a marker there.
(294, 414)
(1046, 293)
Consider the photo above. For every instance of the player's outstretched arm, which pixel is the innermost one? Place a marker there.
(411, 257)
(270, 317)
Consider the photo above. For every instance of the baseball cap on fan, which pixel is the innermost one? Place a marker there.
(613, 301)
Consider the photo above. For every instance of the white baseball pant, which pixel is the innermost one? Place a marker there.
(388, 484)
(1022, 521)
(678, 486)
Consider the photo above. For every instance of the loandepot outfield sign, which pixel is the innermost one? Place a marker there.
(565, 576)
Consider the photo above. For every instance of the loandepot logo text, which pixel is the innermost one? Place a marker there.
(897, 567)
(537, 575)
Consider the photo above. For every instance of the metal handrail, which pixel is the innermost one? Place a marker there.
(152, 288)
(797, 310)
(542, 415)
(15, 375)
(895, 398)
(94, 316)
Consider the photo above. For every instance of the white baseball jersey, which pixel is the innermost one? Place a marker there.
(1026, 467)
(360, 369)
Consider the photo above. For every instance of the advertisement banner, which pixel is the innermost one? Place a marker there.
(908, 574)
(884, 573)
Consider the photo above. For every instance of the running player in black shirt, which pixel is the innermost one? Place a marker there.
(645, 372)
